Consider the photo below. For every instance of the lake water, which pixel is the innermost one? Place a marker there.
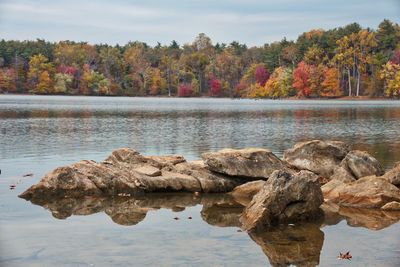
(40, 133)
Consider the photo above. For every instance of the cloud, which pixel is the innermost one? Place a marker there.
(253, 22)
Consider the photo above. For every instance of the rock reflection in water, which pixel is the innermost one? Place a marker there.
(373, 219)
(131, 211)
(298, 245)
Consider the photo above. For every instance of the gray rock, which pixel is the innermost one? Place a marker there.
(284, 198)
(320, 157)
(248, 162)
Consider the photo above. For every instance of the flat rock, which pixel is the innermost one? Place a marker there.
(149, 170)
(248, 162)
(320, 157)
(284, 198)
(367, 192)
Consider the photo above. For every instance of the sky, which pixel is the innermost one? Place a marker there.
(253, 22)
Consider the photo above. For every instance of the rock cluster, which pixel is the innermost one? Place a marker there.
(273, 190)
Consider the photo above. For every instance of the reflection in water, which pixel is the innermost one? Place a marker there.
(373, 219)
(298, 244)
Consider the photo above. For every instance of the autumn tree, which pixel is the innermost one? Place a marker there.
(301, 79)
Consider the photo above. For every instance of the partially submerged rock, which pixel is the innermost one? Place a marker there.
(284, 198)
(320, 157)
(392, 206)
(367, 192)
(249, 162)
(126, 171)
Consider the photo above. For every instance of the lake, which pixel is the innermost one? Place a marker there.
(40, 133)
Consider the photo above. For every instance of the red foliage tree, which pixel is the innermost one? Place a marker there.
(215, 86)
(185, 90)
(262, 74)
(67, 69)
(301, 79)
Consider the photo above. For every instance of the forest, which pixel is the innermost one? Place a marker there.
(345, 61)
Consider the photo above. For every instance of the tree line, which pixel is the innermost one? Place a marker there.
(345, 61)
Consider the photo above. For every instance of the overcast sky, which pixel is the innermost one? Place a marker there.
(253, 22)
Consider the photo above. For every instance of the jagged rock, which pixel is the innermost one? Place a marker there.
(298, 245)
(125, 171)
(393, 175)
(284, 198)
(244, 193)
(367, 192)
(394, 205)
(248, 162)
(320, 157)
(355, 165)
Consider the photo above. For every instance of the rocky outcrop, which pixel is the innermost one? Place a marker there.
(320, 157)
(284, 198)
(252, 163)
(355, 165)
(127, 172)
(367, 192)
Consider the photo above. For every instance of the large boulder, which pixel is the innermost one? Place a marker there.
(284, 198)
(355, 165)
(393, 175)
(127, 172)
(367, 192)
(249, 162)
(320, 157)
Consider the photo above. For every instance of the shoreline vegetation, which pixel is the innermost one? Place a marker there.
(345, 63)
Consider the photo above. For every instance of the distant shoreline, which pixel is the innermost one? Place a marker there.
(294, 98)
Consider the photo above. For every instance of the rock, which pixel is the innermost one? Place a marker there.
(355, 165)
(284, 198)
(298, 245)
(343, 174)
(244, 193)
(210, 182)
(367, 192)
(248, 162)
(394, 205)
(127, 172)
(320, 157)
(149, 170)
(393, 175)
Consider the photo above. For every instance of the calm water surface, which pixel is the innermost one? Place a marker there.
(39, 133)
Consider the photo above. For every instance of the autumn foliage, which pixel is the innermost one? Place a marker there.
(346, 60)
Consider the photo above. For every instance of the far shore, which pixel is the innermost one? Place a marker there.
(293, 98)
